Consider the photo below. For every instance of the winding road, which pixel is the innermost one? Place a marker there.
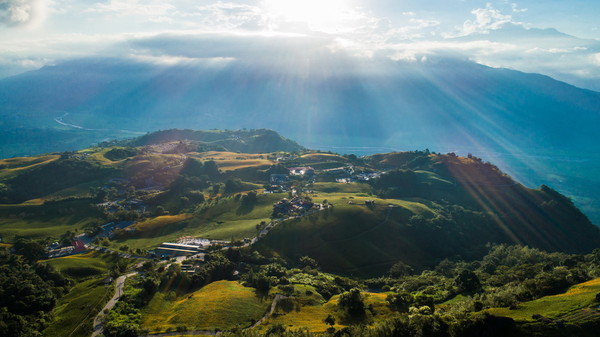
(99, 320)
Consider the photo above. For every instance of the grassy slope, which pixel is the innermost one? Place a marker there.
(353, 238)
(219, 305)
(231, 218)
(223, 221)
(75, 266)
(342, 188)
(12, 166)
(228, 161)
(573, 305)
(318, 157)
(81, 190)
(311, 315)
(74, 313)
(156, 224)
(41, 221)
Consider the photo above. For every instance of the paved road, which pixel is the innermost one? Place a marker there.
(98, 321)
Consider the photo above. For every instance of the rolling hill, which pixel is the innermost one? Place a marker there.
(427, 206)
(540, 130)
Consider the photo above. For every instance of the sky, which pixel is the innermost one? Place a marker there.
(553, 37)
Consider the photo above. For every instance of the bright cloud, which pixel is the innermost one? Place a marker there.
(228, 15)
(486, 20)
(185, 31)
(134, 7)
(22, 12)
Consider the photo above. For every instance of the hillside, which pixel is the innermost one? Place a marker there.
(539, 129)
(290, 239)
(251, 141)
(418, 207)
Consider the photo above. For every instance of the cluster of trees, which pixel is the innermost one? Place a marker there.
(404, 325)
(28, 293)
(123, 320)
(120, 153)
(505, 276)
(399, 183)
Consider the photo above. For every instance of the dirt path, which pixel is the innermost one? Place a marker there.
(276, 300)
(98, 321)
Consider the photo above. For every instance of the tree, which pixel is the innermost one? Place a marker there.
(353, 303)
(249, 199)
(309, 262)
(211, 169)
(329, 320)
(400, 269)
(401, 301)
(467, 282)
(276, 329)
(160, 210)
(31, 250)
(215, 189)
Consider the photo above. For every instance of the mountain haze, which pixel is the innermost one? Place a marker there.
(538, 129)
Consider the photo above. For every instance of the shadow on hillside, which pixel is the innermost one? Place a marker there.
(244, 208)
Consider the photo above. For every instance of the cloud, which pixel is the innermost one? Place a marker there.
(486, 20)
(15, 13)
(595, 59)
(249, 47)
(219, 33)
(516, 9)
(228, 15)
(415, 29)
(133, 7)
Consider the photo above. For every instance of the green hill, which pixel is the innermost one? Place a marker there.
(246, 141)
(470, 204)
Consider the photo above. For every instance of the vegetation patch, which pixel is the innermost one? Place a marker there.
(75, 312)
(154, 225)
(81, 266)
(318, 157)
(313, 317)
(564, 306)
(342, 188)
(229, 161)
(46, 220)
(13, 166)
(219, 305)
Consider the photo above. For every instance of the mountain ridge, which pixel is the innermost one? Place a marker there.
(443, 104)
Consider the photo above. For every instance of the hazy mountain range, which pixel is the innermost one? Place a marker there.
(538, 129)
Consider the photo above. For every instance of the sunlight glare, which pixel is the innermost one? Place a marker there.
(327, 16)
